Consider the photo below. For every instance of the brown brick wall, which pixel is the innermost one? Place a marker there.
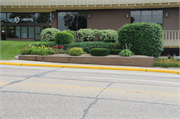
(54, 21)
(172, 21)
(108, 19)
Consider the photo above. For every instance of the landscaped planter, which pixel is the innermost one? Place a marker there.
(143, 61)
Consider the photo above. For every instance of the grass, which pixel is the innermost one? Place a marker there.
(9, 49)
(164, 62)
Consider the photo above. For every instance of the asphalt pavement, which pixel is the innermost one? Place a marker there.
(77, 93)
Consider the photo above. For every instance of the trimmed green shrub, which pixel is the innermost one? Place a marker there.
(99, 51)
(86, 35)
(100, 35)
(115, 51)
(164, 62)
(48, 34)
(87, 46)
(76, 51)
(144, 38)
(71, 32)
(109, 40)
(126, 53)
(64, 38)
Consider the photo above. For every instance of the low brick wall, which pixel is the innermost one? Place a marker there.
(143, 61)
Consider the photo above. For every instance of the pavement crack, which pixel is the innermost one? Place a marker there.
(28, 77)
(94, 102)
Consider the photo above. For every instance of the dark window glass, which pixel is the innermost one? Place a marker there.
(11, 32)
(13, 17)
(135, 16)
(72, 21)
(27, 18)
(3, 17)
(158, 16)
(146, 16)
(24, 32)
(50, 18)
(62, 21)
(42, 17)
(82, 20)
(31, 32)
(17, 32)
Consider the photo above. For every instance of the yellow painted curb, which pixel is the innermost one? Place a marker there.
(163, 71)
(91, 67)
(87, 67)
(116, 68)
(42, 65)
(7, 63)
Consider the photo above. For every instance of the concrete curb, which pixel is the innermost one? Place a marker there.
(92, 67)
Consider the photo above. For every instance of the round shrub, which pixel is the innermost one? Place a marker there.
(76, 51)
(71, 32)
(143, 38)
(126, 53)
(48, 34)
(100, 35)
(64, 38)
(86, 35)
(115, 51)
(99, 51)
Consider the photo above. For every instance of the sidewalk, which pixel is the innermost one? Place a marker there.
(90, 66)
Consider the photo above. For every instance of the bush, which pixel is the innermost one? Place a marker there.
(115, 51)
(87, 46)
(100, 35)
(48, 34)
(144, 38)
(99, 51)
(76, 51)
(109, 40)
(161, 62)
(86, 35)
(25, 50)
(64, 38)
(71, 32)
(126, 53)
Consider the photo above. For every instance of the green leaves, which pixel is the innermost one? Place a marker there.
(143, 37)
(48, 34)
(64, 38)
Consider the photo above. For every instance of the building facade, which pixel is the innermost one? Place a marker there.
(25, 19)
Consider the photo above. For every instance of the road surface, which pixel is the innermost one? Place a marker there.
(72, 93)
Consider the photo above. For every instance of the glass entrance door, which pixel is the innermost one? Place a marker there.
(37, 33)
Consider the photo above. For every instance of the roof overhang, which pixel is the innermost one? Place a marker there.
(53, 5)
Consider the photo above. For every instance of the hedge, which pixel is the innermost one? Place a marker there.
(99, 51)
(143, 38)
(87, 46)
(115, 51)
(64, 38)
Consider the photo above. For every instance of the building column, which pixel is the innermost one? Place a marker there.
(54, 19)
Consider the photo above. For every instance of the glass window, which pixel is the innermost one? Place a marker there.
(62, 21)
(31, 32)
(10, 32)
(42, 17)
(72, 21)
(158, 16)
(13, 17)
(3, 17)
(27, 18)
(17, 32)
(50, 18)
(146, 16)
(135, 16)
(23, 32)
(82, 20)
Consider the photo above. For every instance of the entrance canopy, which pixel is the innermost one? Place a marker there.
(53, 5)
